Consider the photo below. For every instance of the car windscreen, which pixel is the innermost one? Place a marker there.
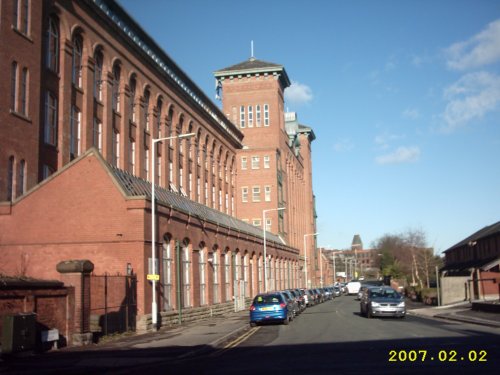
(267, 299)
(384, 293)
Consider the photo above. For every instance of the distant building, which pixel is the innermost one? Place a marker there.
(353, 263)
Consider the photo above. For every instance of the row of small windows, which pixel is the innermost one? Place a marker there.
(255, 162)
(247, 119)
(16, 178)
(256, 194)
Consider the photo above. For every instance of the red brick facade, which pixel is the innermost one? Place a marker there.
(106, 90)
(276, 158)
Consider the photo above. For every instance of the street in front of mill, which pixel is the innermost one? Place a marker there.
(328, 338)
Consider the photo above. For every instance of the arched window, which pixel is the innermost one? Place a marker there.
(159, 109)
(246, 274)
(168, 258)
(132, 87)
(76, 67)
(216, 266)
(227, 275)
(115, 89)
(98, 61)
(203, 276)
(186, 277)
(146, 109)
(52, 53)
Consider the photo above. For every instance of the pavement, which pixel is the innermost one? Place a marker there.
(119, 353)
(460, 312)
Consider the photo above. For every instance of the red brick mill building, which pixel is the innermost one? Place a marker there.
(88, 91)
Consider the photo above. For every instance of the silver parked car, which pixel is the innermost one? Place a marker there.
(382, 301)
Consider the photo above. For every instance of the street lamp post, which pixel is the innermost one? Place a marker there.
(154, 315)
(264, 238)
(305, 256)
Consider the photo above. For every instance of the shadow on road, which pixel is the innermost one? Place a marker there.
(458, 355)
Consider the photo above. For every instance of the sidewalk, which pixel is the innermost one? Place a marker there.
(122, 352)
(461, 312)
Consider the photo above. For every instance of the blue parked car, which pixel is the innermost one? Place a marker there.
(271, 307)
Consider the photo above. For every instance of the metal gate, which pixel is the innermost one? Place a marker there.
(113, 305)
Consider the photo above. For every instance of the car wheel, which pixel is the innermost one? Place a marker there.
(253, 324)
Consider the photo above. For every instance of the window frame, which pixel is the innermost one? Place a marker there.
(266, 115)
(244, 194)
(98, 70)
(256, 194)
(76, 61)
(256, 162)
(24, 92)
(250, 116)
(242, 116)
(14, 70)
(50, 122)
(52, 53)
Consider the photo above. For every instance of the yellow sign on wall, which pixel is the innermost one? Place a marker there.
(153, 277)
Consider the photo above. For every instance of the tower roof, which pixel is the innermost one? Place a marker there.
(356, 242)
(254, 66)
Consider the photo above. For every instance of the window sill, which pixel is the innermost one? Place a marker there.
(21, 116)
(78, 89)
(20, 33)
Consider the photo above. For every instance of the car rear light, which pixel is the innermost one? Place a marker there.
(252, 308)
(282, 305)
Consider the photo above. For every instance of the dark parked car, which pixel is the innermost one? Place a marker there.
(290, 297)
(271, 307)
(299, 297)
(382, 301)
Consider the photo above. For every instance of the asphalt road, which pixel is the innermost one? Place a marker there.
(332, 338)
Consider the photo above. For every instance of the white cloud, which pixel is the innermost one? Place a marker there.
(344, 145)
(481, 49)
(401, 155)
(383, 140)
(411, 113)
(470, 98)
(298, 93)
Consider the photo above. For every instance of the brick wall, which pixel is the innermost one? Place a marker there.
(50, 301)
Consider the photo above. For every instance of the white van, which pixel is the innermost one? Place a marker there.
(353, 287)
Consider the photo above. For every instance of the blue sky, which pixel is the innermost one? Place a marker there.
(403, 96)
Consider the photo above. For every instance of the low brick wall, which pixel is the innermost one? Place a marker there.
(48, 300)
(171, 318)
